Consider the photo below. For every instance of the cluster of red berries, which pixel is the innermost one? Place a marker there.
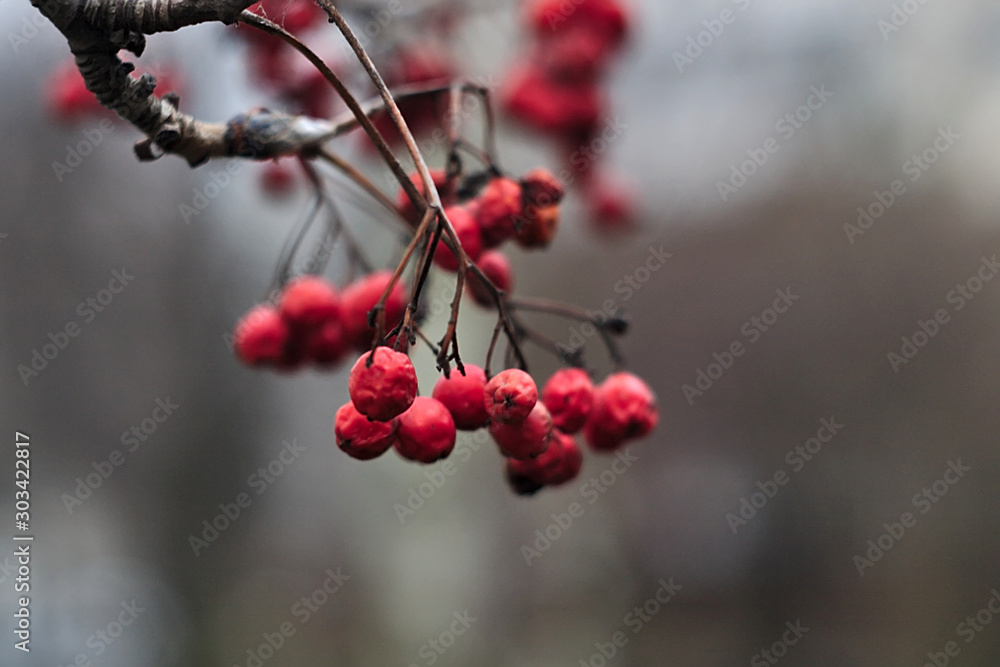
(533, 433)
(313, 322)
(500, 209)
(558, 90)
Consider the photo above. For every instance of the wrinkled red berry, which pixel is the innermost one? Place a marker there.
(526, 439)
(261, 337)
(624, 409)
(360, 297)
(540, 187)
(498, 204)
(558, 464)
(463, 396)
(309, 301)
(384, 388)
(468, 235)
(537, 226)
(359, 437)
(497, 268)
(425, 432)
(510, 396)
(569, 395)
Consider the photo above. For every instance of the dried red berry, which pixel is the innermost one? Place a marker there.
(569, 395)
(468, 235)
(624, 409)
(510, 396)
(261, 336)
(308, 301)
(425, 432)
(384, 388)
(498, 204)
(526, 439)
(497, 268)
(540, 187)
(537, 226)
(463, 396)
(359, 437)
(360, 297)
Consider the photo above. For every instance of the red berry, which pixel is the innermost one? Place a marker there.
(406, 208)
(540, 187)
(68, 97)
(359, 437)
(510, 396)
(566, 108)
(309, 301)
(497, 268)
(498, 205)
(384, 388)
(425, 432)
(277, 179)
(569, 395)
(468, 235)
(360, 297)
(261, 337)
(463, 396)
(611, 201)
(624, 409)
(538, 226)
(526, 439)
(326, 344)
(558, 464)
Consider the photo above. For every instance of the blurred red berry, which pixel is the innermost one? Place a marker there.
(308, 301)
(541, 187)
(327, 344)
(468, 235)
(538, 226)
(569, 395)
(497, 206)
(360, 297)
(406, 208)
(261, 337)
(497, 268)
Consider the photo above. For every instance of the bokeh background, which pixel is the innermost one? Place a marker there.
(404, 580)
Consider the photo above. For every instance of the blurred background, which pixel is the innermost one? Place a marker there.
(339, 562)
